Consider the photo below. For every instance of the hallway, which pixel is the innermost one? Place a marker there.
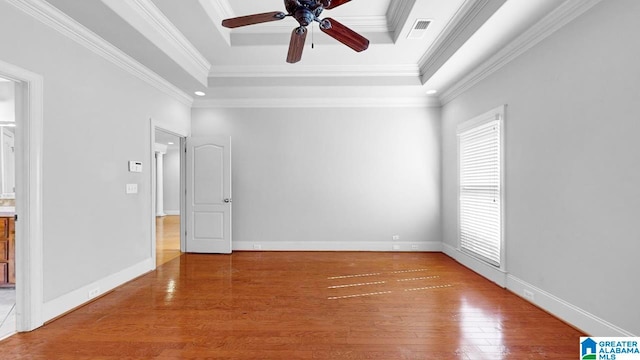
(167, 238)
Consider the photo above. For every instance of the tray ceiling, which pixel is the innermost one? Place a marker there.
(184, 42)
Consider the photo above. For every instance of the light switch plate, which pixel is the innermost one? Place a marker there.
(132, 188)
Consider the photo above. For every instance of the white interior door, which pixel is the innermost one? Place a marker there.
(208, 202)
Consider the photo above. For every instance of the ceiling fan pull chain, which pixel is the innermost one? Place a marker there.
(313, 44)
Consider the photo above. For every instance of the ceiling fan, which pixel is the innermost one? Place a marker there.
(305, 12)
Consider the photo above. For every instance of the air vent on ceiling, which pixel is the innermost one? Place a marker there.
(419, 29)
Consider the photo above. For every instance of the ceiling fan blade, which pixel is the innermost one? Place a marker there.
(298, 37)
(253, 19)
(336, 3)
(343, 34)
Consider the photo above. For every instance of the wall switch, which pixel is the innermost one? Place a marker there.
(396, 237)
(132, 188)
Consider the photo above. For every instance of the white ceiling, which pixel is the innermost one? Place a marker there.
(165, 138)
(184, 42)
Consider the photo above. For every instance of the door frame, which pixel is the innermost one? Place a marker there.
(152, 165)
(29, 196)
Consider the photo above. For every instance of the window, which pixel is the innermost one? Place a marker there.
(480, 149)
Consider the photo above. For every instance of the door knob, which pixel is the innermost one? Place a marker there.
(227, 200)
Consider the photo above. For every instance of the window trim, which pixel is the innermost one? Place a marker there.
(496, 114)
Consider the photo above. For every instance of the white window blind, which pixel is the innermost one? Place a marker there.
(480, 159)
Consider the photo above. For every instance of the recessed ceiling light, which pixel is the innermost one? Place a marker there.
(169, 143)
(432, 92)
(200, 93)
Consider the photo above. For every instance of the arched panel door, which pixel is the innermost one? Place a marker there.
(208, 202)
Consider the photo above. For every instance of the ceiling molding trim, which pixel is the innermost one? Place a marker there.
(359, 23)
(57, 20)
(177, 41)
(557, 19)
(446, 42)
(397, 16)
(224, 8)
(285, 71)
(221, 9)
(369, 102)
(366, 23)
(217, 10)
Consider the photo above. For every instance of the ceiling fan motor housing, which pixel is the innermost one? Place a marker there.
(305, 11)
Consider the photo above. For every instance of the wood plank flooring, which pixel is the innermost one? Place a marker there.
(255, 305)
(167, 239)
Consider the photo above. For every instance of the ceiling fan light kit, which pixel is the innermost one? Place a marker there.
(305, 12)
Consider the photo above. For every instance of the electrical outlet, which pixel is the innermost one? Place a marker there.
(93, 293)
(529, 295)
(396, 237)
(414, 246)
(257, 247)
(396, 247)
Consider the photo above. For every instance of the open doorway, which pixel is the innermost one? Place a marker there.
(168, 158)
(27, 108)
(7, 208)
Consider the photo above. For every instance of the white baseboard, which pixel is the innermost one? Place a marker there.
(171, 212)
(400, 246)
(565, 311)
(571, 314)
(64, 303)
(489, 272)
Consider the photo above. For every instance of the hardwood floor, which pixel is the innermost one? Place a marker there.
(167, 239)
(304, 306)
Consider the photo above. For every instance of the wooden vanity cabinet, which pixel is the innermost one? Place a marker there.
(7, 252)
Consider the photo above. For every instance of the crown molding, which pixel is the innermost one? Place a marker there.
(345, 102)
(469, 17)
(285, 71)
(144, 16)
(399, 12)
(360, 23)
(551, 23)
(391, 23)
(166, 27)
(57, 20)
(224, 8)
(217, 10)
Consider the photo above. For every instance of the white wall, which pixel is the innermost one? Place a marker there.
(171, 180)
(96, 118)
(331, 179)
(572, 172)
(7, 101)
